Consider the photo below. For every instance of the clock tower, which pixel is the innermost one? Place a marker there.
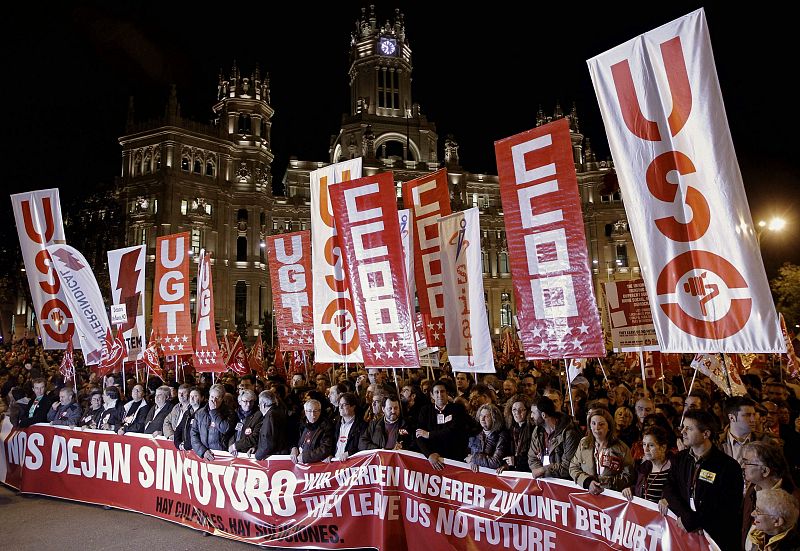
(383, 124)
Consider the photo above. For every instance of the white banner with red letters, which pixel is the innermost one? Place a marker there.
(126, 269)
(428, 198)
(207, 357)
(39, 223)
(469, 345)
(290, 270)
(171, 317)
(683, 192)
(556, 306)
(630, 316)
(335, 334)
(84, 299)
(369, 234)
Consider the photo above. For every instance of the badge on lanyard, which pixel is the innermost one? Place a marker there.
(707, 476)
(440, 419)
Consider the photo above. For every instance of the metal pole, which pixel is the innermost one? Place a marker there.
(569, 389)
(644, 375)
(691, 386)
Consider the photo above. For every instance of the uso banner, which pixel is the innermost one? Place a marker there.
(39, 224)
(556, 307)
(335, 334)
(126, 270)
(84, 299)
(469, 346)
(683, 193)
(171, 318)
(383, 499)
(369, 234)
(207, 357)
(428, 198)
(630, 316)
(290, 270)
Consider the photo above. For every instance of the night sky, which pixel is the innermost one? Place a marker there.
(478, 75)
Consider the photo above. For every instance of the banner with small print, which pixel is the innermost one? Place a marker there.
(39, 224)
(365, 211)
(290, 271)
(469, 345)
(629, 316)
(388, 500)
(83, 297)
(428, 199)
(171, 317)
(683, 193)
(207, 355)
(126, 269)
(556, 306)
(335, 333)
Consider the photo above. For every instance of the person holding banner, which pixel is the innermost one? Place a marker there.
(444, 428)
(91, 416)
(317, 440)
(40, 406)
(183, 430)
(517, 413)
(135, 411)
(154, 422)
(491, 444)
(272, 436)
(178, 411)
(213, 425)
(774, 522)
(602, 460)
(245, 440)
(388, 432)
(652, 472)
(554, 441)
(111, 418)
(65, 411)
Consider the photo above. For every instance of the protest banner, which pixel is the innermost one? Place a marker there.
(126, 269)
(290, 271)
(630, 317)
(171, 317)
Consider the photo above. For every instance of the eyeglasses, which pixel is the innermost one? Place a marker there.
(746, 464)
(759, 513)
(313, 410)
(247, 401)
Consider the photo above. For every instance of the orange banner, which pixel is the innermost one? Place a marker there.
(171, 318)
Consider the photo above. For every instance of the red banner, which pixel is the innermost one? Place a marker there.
(207, 356)
(171, 318)
(382, 499)
(290, 270)
(428, 199)
(365, 211)
(256, 357)
(556, 306)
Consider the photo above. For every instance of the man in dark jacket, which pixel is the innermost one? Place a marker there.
(135, 411)
(111, 418)
(272, 437)
(154, 422)
(213, 425)
(704, 487)
(444, 428)
(183, 430)
(317, 441)
(553, 442)
(248, 425)
(390, 432)
(39, 407)
(65, 411)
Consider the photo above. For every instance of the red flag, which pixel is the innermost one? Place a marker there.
(298, 365)
(256, 358)
(67, 366)
(150, 356)
(278, 362)
(237, 358)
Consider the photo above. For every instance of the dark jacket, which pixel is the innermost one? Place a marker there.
(317, 441)
(449, 434)
(272, 436)
(135, 415)
(643, 470)
(489, 448)
(112, 417)
(717, 495)
(375, 436)
(562, 445)
(65, 415)
(353, 437)
(91, 418)
(247, 430)
(37, 412)
(212, 428)
(520, 444)
(183, 430)
(155, 422)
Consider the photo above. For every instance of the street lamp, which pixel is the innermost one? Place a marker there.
(775, 224)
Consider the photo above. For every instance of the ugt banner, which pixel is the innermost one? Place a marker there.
(335, 334)
(207, 357)
(126, 269)
(428, 198)
(630, 316)
(389, 500)
(556, 307)
(290, 270)
(171, 317)
(469, 346)
(365, 211)
(683, 193)
(39, 224)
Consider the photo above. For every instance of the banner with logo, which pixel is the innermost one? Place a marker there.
(556, 306)
(171, 317)
(83, 297)
(469, 345)
(237, 358)
(290, 271)
(680, 181)
(726, 379)
(126, 269)
(629, 316)
(390, 500)
(365, 211)
(335, 334)
(207, 356)
(428, 198)
(39, 224)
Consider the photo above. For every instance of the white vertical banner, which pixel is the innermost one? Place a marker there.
(666, 124)
(39, 224)
(469, 345)
(335, 332)
(407, 238)
(126, 270)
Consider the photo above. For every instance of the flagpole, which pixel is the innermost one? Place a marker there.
(396, 384)
(644, 375)
(603, 369)
(124, 390)
(691, 386)
(569, 389)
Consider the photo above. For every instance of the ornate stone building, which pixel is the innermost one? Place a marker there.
(214, 180)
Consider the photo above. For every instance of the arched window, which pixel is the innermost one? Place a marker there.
(185, 164)
(148, 166)
(240, 315)
(209, 168)
(137, 165)
(241, 249)
(198, 166)
(241, 215)
(502, 263)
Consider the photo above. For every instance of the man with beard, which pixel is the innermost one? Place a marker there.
(183, 430)
(213, 425)
(444, 428)
(389, 432)
(249, 424)
(553, 442)
(317, 440)
(135, 412)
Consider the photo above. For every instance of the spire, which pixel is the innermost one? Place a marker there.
(557, 112)
(573, 119)
(130, 120)
(173, 107)
(372, 19)
(540, 120)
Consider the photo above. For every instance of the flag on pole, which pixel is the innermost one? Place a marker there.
(113, 354)
(67, 367)
(237, 358)
(150, 356)
(256, 358)
(726, 378)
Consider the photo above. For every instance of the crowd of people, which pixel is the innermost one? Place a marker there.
(728, 466)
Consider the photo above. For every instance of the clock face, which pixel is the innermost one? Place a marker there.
(388, 46)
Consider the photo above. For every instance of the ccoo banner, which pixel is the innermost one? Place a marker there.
(679, 176)
(171, 317)
(126, 269)
(290, 270)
